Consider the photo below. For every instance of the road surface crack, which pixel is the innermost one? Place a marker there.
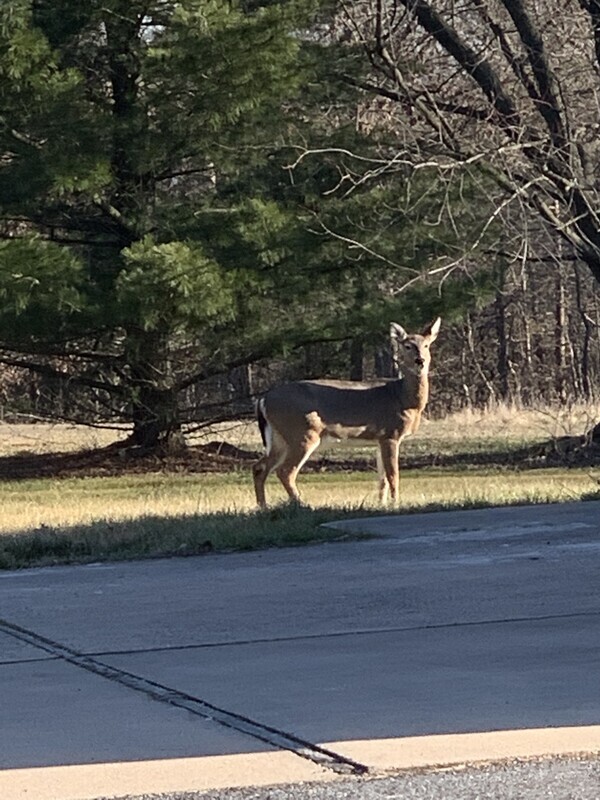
(195, 705)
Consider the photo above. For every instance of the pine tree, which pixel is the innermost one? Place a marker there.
(151, 231)
(125, 129)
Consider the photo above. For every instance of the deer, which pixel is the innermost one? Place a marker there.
(295, 418)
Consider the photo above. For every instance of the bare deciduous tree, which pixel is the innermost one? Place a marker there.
(507, 89)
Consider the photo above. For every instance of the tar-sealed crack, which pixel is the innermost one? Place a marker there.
(338, 634)
(195, 705)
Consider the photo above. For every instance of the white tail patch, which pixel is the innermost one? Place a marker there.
(268, 429)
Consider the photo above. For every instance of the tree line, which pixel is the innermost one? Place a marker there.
(198, 198)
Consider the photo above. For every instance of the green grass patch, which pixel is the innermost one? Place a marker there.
(152, 536)
(99, 519)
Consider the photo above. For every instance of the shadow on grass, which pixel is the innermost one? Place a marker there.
(162, 536)
(155, 536)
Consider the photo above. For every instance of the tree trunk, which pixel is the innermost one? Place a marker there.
(476, 357)
(156, 423)
(502, 358)
(154, 399)
(588, 326)
(357, 353)
(559, 333)
(526, 391)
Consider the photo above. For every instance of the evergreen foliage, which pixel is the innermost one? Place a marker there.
(153, 232)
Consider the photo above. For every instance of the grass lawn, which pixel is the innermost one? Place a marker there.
(87, 519)
(49, 521)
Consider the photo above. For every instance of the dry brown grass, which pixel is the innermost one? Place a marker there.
(495, 427)
(46, 437)
(513, 423)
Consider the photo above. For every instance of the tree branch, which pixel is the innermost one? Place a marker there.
(474, 65)
(50, 372)
(593, 9)
(545, 99)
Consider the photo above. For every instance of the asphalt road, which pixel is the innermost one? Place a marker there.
(449, 639)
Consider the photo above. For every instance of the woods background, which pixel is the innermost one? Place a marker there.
(200, 199)
(536, 344)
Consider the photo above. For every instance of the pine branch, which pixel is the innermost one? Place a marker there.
(50, 372)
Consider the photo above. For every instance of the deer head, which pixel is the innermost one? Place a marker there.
(410, 352)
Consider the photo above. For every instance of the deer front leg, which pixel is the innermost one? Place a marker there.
(389, 474)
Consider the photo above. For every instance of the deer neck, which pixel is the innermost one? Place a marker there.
(414, 391)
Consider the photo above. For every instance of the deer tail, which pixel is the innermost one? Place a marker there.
(263, 423)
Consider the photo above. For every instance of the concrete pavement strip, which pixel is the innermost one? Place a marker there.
(90, 781)
(416, 752)
(385, 756)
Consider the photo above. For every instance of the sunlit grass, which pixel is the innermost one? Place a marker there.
(27, 505)
(81, 519)
(78, 520)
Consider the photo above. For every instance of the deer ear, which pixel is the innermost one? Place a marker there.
(398, 332)
(432, 330)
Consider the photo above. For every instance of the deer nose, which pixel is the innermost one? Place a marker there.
(420, 362)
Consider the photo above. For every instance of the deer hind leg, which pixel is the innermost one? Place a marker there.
(383, 483)
(276, 452)
(389, 473)
(294, 460)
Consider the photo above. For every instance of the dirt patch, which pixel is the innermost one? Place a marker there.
(218, 456)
